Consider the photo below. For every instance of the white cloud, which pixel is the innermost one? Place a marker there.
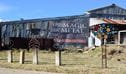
(4, 7)
(3, 20)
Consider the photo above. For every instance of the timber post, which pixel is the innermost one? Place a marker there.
(35, 56)
(10, 56)
(58, 58)
(22, 56)
(9, 52)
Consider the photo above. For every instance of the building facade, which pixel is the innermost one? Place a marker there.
(109, 21)
(66, 31)
(77, 31)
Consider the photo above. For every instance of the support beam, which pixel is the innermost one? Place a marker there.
(58, 58)
(118, 38)
(22, 56)
(35, 56)
(10, 56)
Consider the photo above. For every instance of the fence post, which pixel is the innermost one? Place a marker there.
(58, 58)
(35, 56)
(22, 56)
(104, 55)
(10, 56)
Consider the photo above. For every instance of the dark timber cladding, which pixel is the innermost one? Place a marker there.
(69, 30)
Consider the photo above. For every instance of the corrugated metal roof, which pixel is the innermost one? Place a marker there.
(112, 21)
(111, 9)
(43, 19)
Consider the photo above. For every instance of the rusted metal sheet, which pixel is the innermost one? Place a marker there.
(116, 22)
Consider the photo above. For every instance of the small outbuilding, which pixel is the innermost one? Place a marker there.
(109, 21)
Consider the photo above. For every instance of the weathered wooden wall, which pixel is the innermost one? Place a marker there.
(70, 30)
(110, 12)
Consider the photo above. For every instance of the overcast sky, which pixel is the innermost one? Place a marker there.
(31, 9)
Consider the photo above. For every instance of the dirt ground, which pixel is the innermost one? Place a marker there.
(15, 71)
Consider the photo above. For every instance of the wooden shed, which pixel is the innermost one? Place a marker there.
(65, 31)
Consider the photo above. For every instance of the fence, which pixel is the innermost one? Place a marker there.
(90, 58)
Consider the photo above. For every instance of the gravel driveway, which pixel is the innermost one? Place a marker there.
(15, 71)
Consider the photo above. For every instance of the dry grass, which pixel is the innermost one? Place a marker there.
(88, 62)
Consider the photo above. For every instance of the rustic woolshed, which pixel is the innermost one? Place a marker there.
(76, 31)
(65, 31)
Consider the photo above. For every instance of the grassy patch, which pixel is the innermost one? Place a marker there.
(88, 62)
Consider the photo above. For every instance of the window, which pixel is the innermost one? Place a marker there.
(30, 26)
